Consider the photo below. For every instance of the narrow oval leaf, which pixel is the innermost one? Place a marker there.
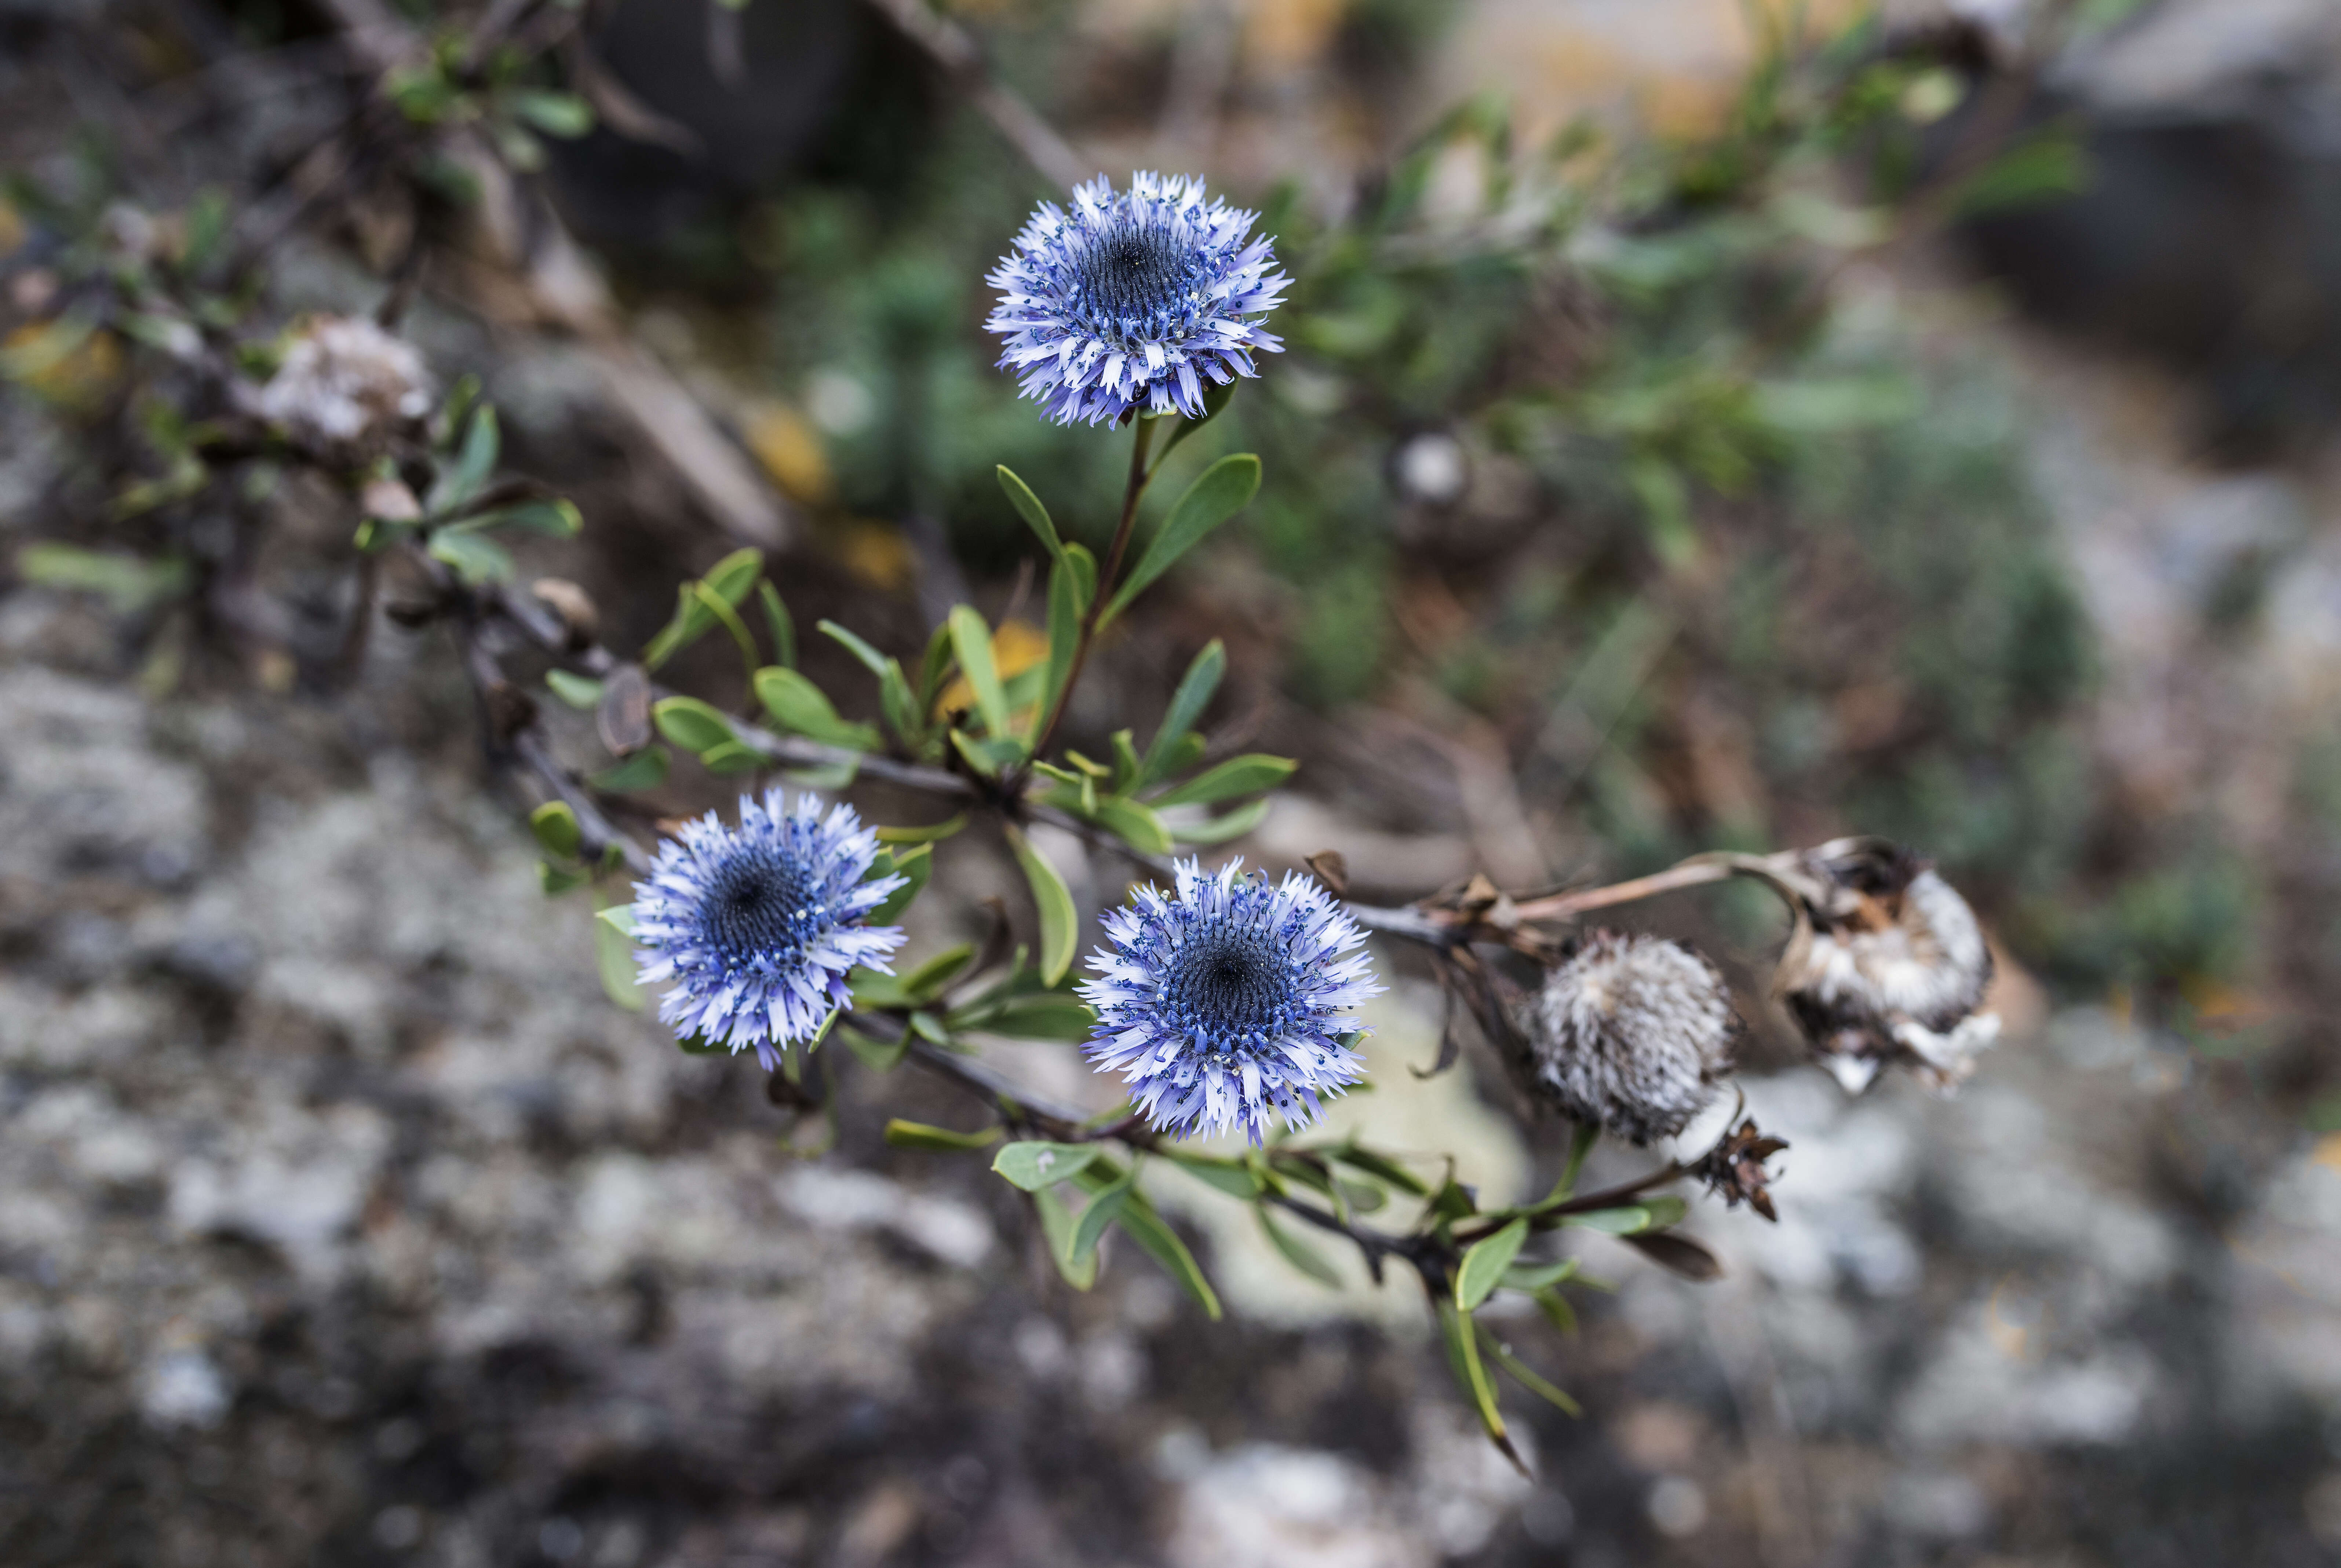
(646, 769)
(613, 956)
(556, 828)
(1625, 1220)
(691, 724)
(922, 833)
(905, 1134)
(1064, 632)
(1297, 1253)
(1136, 825)
(1055, 903)
(1219, 492)
(580, 692)
(1247, 775)
(1048, 1017)
(1057, 1229)
(1232, 1177)
(1535, 1276)
(1220, 829)
(1484, 1266)
(1186, 704)
(971, 643)
(871, 659)
(916, 865)
(1105, 1206)
(1150, 1231)
(797, 705)
(1033, 1165)
(1028, 507)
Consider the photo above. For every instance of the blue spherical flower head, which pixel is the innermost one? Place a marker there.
(1133, 298)
(758, 926)
(1226, 1005)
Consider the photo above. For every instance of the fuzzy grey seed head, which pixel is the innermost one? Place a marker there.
(1632, 1033)
(1895, 971)
(342, 382)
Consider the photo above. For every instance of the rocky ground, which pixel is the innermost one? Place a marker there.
(346, 1222)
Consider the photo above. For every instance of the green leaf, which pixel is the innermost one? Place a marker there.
(1463, 1357)
(556, 828)
(900, 708)
(646, 769)
(878, 1056)
(1033, 1165)
(797, 705)
(1085, 572)
(577, 690)
(1535, 1276)
(695, 726)
(1055, 904)
(468, 474)
(1105, 1206)
(128, 582)
(905, 1134)
(1215, 398)
(934, 667)
(922, 833)
(1057, 1228)
(1297, 1253)
(1064, 633)
(777, 621)
(1220, 829)
(971, 643)
(1247, 775)
(1134, 824)
(558, 878)
(1381, 1168)
(553, 519)
(915, 866)
(614, 955)
(932, 977)
(475, 558)
(1219, 492)
(1051, 1015)
(1028, 507)
(1557, 1310)
(1484, 1264)
(1232, 1177)
(1501, 1355)
(1186, 704)
(871, 659)
(1150, 1231)
(562, 115)
(731, 756)
(730, 579)
(1625, 1220)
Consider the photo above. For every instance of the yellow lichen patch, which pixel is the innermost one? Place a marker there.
(64, 362)
(790, 450)
(874, 554)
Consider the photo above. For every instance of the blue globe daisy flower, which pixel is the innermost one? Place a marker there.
(1225, 1005)
(757, 926)
(1129, 299)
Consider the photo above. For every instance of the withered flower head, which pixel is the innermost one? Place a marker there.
(344, 383)
(1631, 1033)
(1888, 963)
(1734, 1169)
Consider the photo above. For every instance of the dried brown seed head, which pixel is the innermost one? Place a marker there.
(1630, 1032)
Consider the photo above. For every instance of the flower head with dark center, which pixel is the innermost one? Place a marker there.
(1132, 299)
(1630, 1033)
(757, 926)
(1227, 1004)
